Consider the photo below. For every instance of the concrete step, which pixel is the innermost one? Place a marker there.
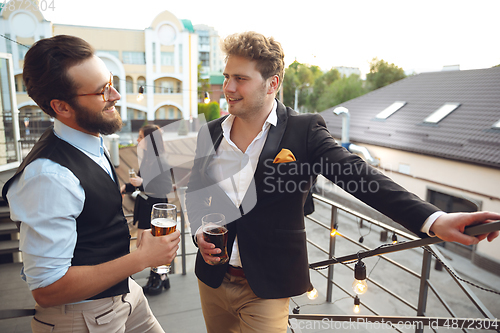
(9, 246)
(8, 227)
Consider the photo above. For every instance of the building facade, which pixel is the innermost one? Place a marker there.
(162, 58)
(210, 55)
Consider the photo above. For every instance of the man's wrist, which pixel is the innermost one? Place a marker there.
(426, 227)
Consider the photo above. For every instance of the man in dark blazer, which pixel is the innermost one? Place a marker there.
(256, 167)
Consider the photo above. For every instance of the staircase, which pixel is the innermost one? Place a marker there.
(9, 236)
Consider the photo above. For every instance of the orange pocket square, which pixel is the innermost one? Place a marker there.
(284, 156)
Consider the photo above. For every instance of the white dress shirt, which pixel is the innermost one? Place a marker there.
(229, 157)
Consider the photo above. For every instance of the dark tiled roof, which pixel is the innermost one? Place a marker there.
(464, 135)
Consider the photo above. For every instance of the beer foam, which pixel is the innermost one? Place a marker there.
(162, 222)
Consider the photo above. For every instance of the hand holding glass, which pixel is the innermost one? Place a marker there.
(163, 222)
(215, 232)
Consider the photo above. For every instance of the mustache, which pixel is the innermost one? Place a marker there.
(109, 105)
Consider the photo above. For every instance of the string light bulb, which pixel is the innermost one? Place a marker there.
(334, 230)
(394, 238)
(359, 286)
(140, 97)
(357, 302)
(312, 293)
(207, 97)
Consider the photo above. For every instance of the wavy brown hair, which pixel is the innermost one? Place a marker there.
(267, 52)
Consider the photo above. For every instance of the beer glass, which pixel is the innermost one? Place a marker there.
(215, 232)
(163, 222)
(132, 173)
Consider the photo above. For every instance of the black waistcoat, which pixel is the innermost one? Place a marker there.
(102, 231)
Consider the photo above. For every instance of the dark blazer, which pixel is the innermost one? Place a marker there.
(271, 233)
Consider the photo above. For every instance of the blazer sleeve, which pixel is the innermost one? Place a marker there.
(365, 182)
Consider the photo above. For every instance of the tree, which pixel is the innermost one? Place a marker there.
(340, 91)
(320, 84)
(211, 110)
(203, 84)
(383, 73)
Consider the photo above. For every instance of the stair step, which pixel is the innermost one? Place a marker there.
(4, 211)
(9, 246)
(8, 227)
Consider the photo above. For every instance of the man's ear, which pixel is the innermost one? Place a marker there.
(273, 85)
(61, 108)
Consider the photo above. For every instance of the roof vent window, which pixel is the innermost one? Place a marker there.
(440, 113)
(496, 125)
(390, 110)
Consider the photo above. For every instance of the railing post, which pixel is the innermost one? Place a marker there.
(182, 191)
(424, 287)
(331, 254)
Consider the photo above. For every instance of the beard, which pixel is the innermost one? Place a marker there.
(95, 122)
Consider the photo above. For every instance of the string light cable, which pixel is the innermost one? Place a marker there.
(362, 237)
(458, 277)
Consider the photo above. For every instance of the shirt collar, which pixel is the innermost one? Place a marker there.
(83, 141)
(272, 119)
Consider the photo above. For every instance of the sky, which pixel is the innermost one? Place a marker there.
(417, 36)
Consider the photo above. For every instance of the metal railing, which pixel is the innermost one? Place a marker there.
(490, 322)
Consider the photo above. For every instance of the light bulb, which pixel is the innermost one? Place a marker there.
(357, 302)
(140, 97)
(334, 230)
(394, 238)
(359, 287)
(312, 294)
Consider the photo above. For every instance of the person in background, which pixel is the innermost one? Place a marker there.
(74, 236)
(155, 192)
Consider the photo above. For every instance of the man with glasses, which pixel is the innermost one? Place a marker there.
(73, 235)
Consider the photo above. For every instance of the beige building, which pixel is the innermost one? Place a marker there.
(162, 58)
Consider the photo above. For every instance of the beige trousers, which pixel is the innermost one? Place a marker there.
(234, 308)
(128, 313)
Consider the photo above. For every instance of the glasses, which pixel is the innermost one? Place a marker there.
(105, 92)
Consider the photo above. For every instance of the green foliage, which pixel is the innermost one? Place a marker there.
(328, 89)
(203, 84)
(210, 110)
(383, 73)
(341, 91)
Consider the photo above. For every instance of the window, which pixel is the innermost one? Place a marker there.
(440, 113)
(154, 53)
(141, 81)
(180, 54)
(7, 44)
(496, 125)
(167, 58)
(171, 113)
(387, 112)
(130, 85)
(134, 58)
(22, 51)
(113, 53)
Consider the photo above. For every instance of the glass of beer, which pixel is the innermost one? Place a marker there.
(215, 232)
(132, 173)
(163, 222)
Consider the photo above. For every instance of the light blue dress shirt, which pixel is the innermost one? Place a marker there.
(47, 198)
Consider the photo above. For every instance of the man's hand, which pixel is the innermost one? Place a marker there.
(206, 249)
(158, 250)
(136, 181)
(450, 227)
